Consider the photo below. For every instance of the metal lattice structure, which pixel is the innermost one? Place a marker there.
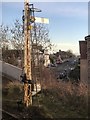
(31, 76)
(27, 78)
(27, 57)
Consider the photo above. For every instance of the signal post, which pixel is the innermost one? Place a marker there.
(27, 57)
(28, 19)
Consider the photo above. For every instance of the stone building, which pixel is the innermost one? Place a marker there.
(85, 59)
(46, 58)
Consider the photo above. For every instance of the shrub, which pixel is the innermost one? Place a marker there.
(73, 97)
(15, 90)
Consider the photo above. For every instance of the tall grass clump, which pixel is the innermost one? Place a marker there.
(73, 96)
(14, 91)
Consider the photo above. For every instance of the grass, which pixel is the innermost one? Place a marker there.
(58, 107)
(56, 100)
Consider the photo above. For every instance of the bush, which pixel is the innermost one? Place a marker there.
(15, 90)
(66, 96)
(75, 74)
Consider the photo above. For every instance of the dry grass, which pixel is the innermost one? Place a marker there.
(12, 91)
(58, 99)
(73, 96)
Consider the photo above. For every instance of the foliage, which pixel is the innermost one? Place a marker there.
(64, 99)
(67, 101)
(56, 100)
(70, 53)
(14, 89)
(17, 35)
(75, 74)
(52, 59)
(40, 35)
(4, 36)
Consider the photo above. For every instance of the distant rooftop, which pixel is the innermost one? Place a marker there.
(86, 37)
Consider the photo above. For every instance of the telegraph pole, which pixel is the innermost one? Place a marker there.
(27, 56)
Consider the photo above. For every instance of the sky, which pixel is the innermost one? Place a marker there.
(68, 21)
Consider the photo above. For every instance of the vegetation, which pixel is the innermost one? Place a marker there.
(63, 54)
(56, 100)
(74, 75)
(14, 35)
(52, 58)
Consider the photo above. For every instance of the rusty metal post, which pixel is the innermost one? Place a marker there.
(27, 56)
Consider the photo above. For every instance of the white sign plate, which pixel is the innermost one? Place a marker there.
(42, 20)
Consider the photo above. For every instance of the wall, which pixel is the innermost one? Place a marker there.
(83, 70)
(83, 49)
(10, 70)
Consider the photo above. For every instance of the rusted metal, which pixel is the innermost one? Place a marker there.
(27, 57)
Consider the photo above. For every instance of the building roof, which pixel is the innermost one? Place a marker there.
(87, 37)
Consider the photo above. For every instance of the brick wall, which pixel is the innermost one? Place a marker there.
(83, 49)
(83, 70)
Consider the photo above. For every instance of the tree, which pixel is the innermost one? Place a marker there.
(17, 35)
(70, 53)
(4, 36)
(39, 35)
(52, 58)
(74, 75)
